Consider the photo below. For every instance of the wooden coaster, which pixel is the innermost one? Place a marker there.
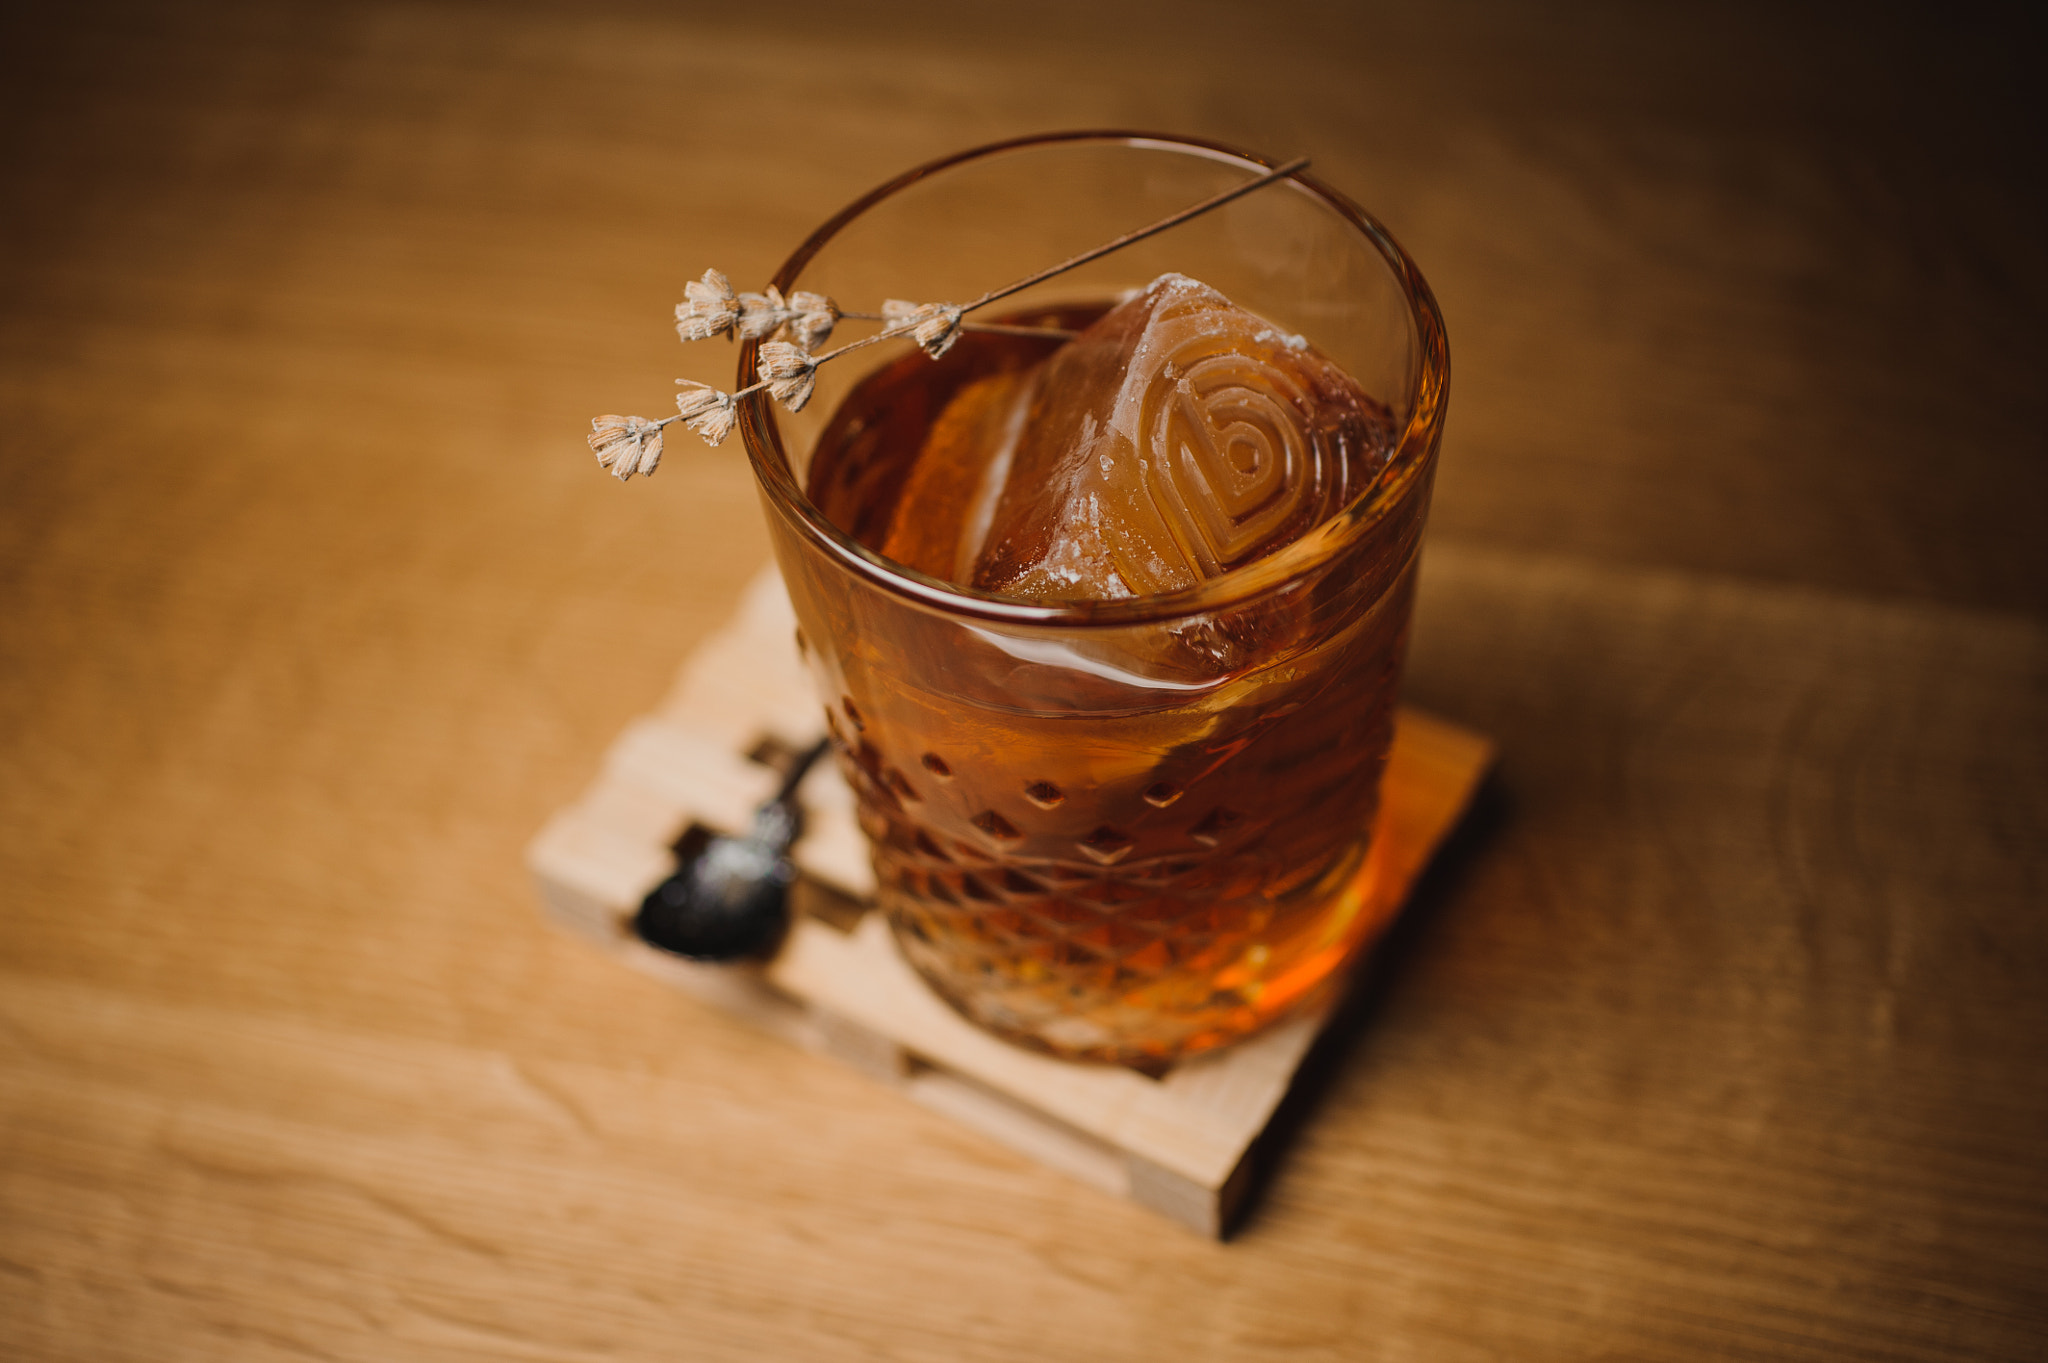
(710, 755)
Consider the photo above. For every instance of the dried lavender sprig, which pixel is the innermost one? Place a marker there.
(939, 323)
(711, 308)
(626, 445)
(993, 328)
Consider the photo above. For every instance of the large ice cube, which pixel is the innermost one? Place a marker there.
(1177, 438)
(942, 515)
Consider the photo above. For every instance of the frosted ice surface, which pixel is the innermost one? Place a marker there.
(1177, 438)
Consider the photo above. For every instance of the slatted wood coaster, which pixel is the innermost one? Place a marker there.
(1180, 1143)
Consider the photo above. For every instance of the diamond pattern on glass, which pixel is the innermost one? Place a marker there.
(1045, 795)
(996, 826)
(1106, 845)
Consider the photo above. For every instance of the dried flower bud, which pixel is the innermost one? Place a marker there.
(813, 316)
(937, 324)
(710, 308)
(625, 445)
(790, 371)
(804, 319)
(762, 314)
(705, 410)
(937, 333)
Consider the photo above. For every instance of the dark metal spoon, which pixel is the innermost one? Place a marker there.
(730, 897)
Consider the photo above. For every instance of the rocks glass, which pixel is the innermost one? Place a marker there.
(1121, 830)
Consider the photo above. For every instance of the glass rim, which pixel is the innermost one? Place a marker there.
(1403, 475)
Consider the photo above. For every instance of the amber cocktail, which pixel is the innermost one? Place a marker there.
(1109, 629)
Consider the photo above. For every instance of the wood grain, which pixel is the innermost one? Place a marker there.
(1724, 1039)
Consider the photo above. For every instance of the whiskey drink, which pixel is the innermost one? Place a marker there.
(1109, 632)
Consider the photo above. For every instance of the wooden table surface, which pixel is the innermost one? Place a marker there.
(1724, 1033)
